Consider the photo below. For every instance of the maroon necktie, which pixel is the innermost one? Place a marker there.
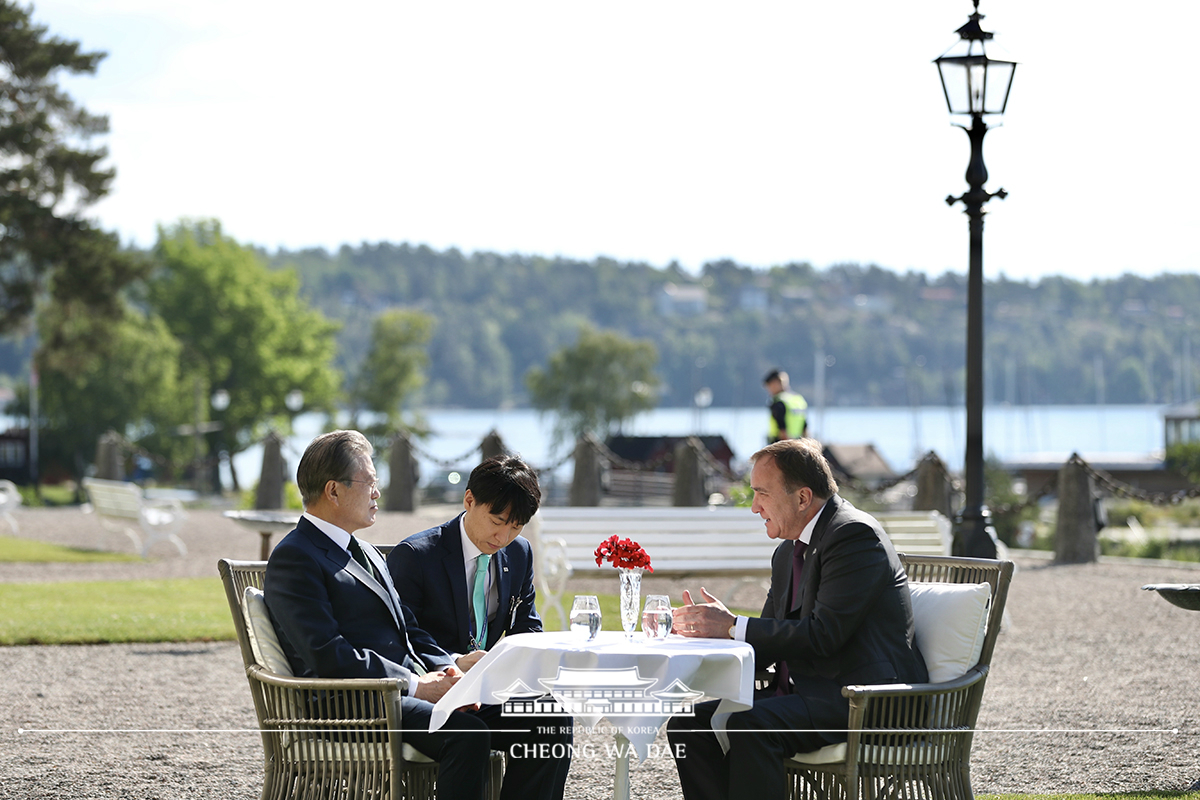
(782, 685)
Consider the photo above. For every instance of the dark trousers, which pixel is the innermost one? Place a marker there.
(462, 746)
(760, 740)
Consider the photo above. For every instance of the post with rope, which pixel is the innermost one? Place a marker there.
(402, 466)
(689, 474)
(585, 483)
(108, 456)
(269, 494)
(935, 489)
(1075, 540)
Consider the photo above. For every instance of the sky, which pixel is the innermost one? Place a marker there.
(652, 131)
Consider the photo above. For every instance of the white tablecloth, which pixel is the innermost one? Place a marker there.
(636, 703)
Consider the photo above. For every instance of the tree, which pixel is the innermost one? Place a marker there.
(1184, 458)
(395, 364)
(99, 375)
(48, 177)
(243, 328)
(595, 384)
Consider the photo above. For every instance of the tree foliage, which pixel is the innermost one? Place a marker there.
(1184, 458)
(102, 374)
(395, 364)
(889, 338)
(242, 328)
(49, 175)
(596, 383)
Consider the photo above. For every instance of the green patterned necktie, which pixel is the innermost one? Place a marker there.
(479, 599)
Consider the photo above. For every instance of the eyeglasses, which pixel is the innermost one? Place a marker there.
(371, 485)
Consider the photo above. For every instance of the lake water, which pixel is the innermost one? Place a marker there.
(901, 435)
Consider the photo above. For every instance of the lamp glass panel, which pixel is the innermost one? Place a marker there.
(999, 81)
(954, 82)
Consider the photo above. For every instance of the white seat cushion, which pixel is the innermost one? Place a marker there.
(264, 642)
(951, 622)
(829, 754)
(914, 753)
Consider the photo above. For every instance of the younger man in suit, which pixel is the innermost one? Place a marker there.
(469, 582)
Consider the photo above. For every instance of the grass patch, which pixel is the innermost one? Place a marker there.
(1152, 548)
(91, 612)
(13, 549)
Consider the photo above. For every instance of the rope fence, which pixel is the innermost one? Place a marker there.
(711, 467)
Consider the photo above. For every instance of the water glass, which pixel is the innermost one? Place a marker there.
(656, 618)
(585, 616)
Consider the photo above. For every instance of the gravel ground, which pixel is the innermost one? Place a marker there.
(1094, 685)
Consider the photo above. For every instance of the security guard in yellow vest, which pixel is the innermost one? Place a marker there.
(788, 419)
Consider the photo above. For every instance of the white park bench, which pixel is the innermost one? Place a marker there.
(118, 505)
(10, 498)
(717, 541)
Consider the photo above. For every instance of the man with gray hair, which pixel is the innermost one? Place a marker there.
(838, 612)
(338, 615)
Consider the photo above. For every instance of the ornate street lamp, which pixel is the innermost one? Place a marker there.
(975, 84)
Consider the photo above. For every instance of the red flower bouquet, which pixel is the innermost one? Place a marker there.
(624, 553)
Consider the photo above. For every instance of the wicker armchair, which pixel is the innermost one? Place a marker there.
(911, 741)
(324, 738)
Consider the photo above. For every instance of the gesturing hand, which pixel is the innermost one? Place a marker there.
(708, 620)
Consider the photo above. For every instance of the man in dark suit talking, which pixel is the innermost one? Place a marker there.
(469, 582)
(838, 612)
(338, 615)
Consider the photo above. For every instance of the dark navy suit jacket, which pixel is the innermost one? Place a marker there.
(335, 620)
(429, 573)
(854, 624)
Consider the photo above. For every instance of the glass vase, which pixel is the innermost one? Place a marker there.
(631, 598)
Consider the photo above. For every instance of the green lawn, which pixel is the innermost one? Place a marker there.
(14, 549)
(175, 610)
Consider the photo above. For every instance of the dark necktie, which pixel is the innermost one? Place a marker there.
(360, 556)
(797, 565)
(783, 685)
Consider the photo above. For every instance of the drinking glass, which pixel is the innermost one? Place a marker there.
(656, 618)
(585, 616)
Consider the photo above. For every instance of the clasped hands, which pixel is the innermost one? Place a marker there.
(708, 620)
(432, 685)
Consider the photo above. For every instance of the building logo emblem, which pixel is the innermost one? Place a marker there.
(599, 691)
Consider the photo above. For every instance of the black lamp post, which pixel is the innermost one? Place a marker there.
(975, 85)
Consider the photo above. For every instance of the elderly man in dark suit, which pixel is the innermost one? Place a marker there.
(338, 615)
(838, 612)
(469, 582)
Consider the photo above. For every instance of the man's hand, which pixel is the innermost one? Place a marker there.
(466, 662)
(708, 620)
(432, 685)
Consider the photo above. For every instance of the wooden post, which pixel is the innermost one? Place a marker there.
(269, 493)
(689, 477)
(108, 457)
(492, 446)
(402, 489)
(585, 483)
(1075, 539)
(935, 492)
